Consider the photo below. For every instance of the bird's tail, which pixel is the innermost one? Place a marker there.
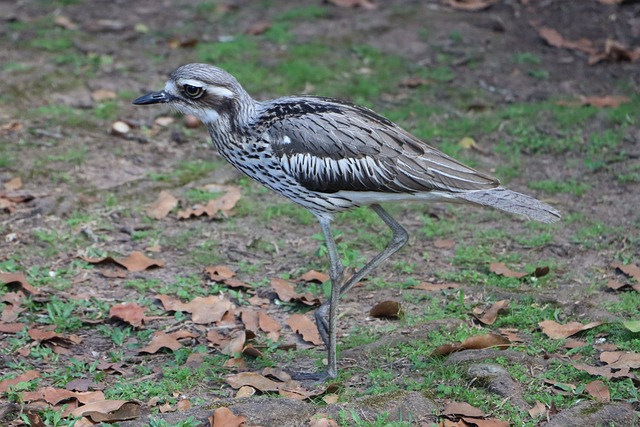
(510, 201)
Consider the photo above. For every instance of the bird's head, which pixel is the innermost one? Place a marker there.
(202, 90)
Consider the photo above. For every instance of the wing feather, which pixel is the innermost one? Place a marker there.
(330, 146)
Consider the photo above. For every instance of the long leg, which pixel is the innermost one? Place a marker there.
(327, 324)
(336, 271)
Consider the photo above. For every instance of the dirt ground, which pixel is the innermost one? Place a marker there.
(132, 44)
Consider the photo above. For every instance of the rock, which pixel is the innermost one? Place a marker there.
(497, 380)
(595, 414)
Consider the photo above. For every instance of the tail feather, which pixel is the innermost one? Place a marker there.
(510, 201)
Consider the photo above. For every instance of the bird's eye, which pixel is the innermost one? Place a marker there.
(193, 91)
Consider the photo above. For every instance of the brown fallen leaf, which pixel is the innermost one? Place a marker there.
(26, 376)
(425, 286)
(100, 95)
(223, 204)
(12, 126)
(473, 343)
(444, 244)
(269, 325)
(286, 292)
(160, 340)
(304, 326)
(223, 417)
(129, 312)
(606, 371)
(11, 328)
(13, 184)
(109, 411)
(254, 380)
(219, 273)
(511, 335)
(386, 309)
(59, 343)
(630, 270)
(235, 345)
(501, 269)
(161, 207)
(615, 51)
(412, 82)
(620, 359)
(554, 330)
(249, 318)
(324, 422)
(365, 4)
(19, 279)
(258, 28)
(462, 409)
(471, 5)
(596, 101)
(598, 390)
(203, 310)
(537, 410)
(489, 316)
(555, 39)
(485, 422)
(135, 262)
(315, 276)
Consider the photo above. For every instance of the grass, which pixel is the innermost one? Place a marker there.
(592, 140)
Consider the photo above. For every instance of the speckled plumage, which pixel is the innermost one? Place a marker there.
(329, 156)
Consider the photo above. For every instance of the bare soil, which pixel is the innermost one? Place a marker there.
(121, 166)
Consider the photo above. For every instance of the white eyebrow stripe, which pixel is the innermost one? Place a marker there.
(213, 89)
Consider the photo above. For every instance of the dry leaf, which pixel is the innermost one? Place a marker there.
(267, 323)
(129, 312)
(386, 309)
(223, 417)
(65, 22)
(425, 286)
(235, 345)
(304, 326)
(103, 95)
(412, 82)
(597, 101)
(224, 203)
(162, 205)
(443, 244)
(13, 126)
(11, 328)
(26, 376)
(109, 411)
(203, 310)
(537, 410)
(473, 343)
(616, 52)
(286, 292)
(135, 262)
(315, 276)
(254, 380)
(501, 269)
(19, 279)
(13, 184)
(557, 331)
(219, 273)
(258, 28)
(471, 5)
(620, 360)
(598, 390)
(606, 371)
(491, 314)
(555, 39)
(161, 340)
(462, 409)
(630, 270)
(365, 4)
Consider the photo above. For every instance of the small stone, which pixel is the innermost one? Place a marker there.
(120, 128)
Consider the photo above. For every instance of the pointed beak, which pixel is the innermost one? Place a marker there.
(161, 97)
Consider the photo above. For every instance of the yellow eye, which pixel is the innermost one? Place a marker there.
(193, 91)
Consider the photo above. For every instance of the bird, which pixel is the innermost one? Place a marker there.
(330, 156)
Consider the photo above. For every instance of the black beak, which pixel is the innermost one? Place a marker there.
(161, 97)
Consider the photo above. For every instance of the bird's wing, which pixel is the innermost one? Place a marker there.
(329, 146)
